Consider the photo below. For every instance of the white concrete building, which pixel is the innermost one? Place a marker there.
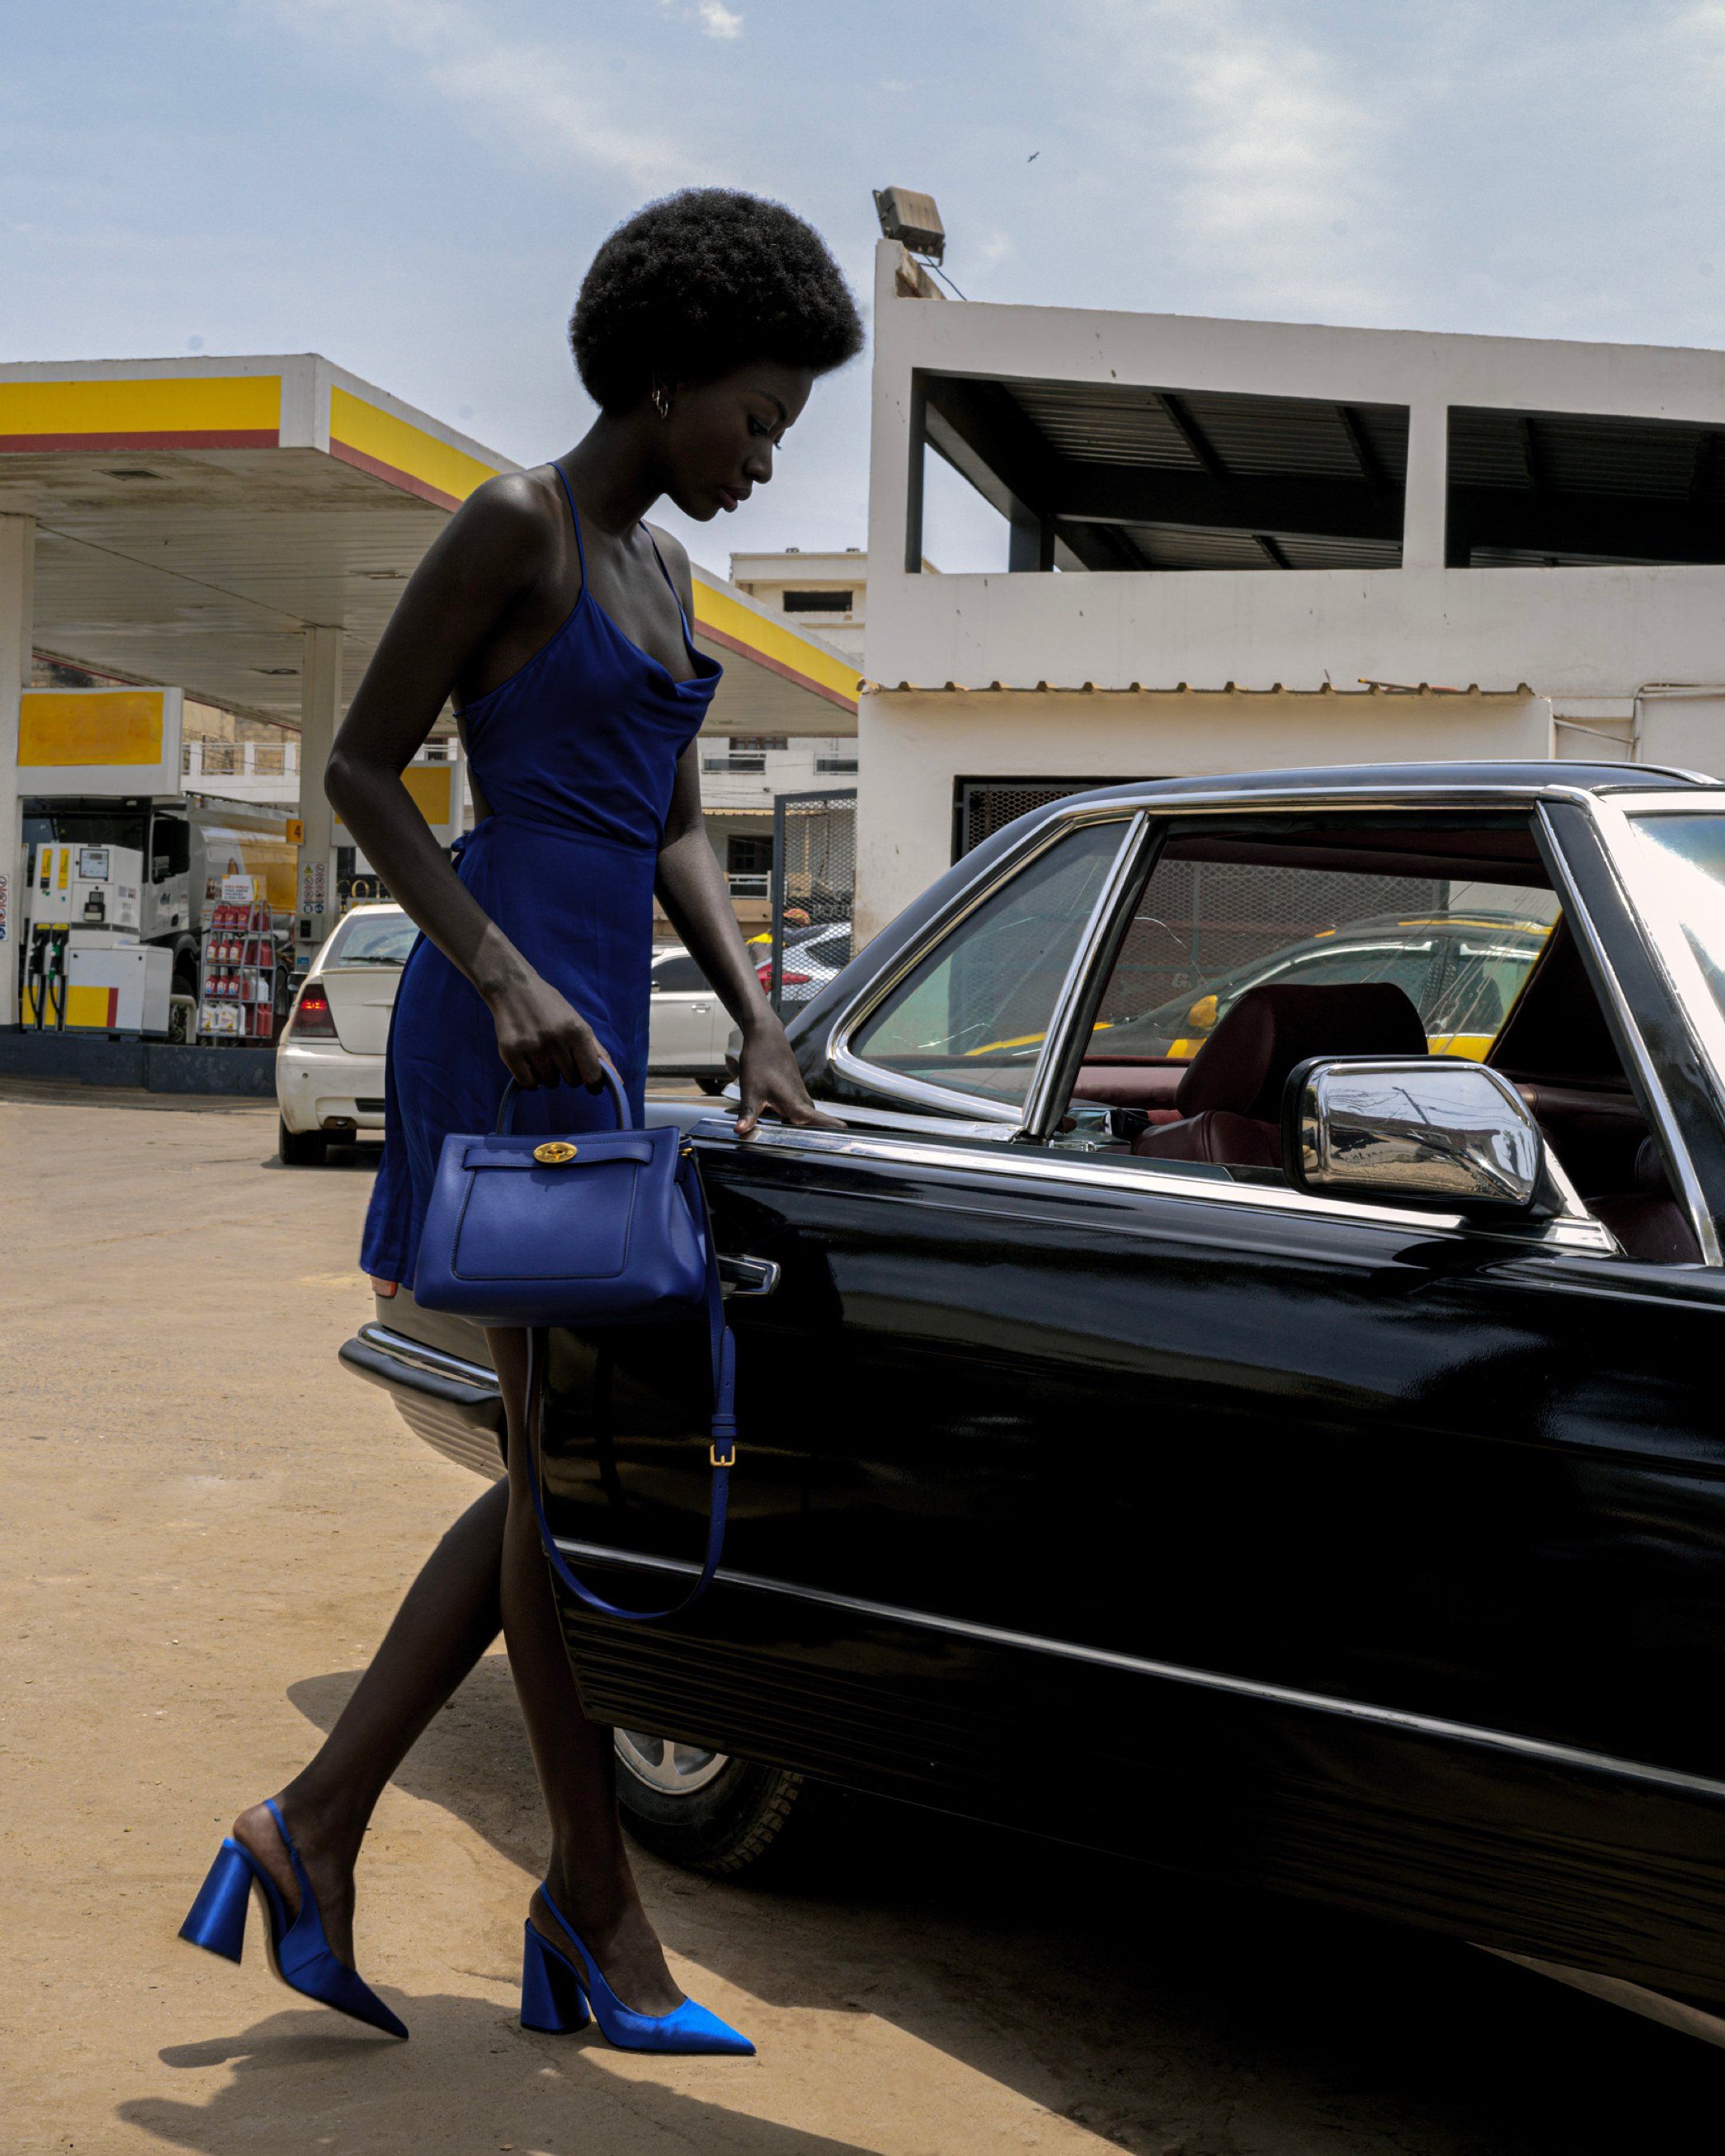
(823, 598)
(1226, 545)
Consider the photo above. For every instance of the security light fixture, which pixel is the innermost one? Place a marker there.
(911, 218)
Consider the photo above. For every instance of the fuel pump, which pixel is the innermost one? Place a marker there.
(86, 966)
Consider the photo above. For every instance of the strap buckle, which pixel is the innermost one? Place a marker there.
(730, 1458)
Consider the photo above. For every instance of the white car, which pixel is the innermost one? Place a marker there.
(687, 1026)
(329, 1068)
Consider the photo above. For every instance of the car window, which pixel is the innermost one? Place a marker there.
(973, 1015)
(672, 976)
(1206, 932)
(371, 939)
(1408, 966)
(1483, 978)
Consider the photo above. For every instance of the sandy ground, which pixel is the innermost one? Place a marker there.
(204, 1528)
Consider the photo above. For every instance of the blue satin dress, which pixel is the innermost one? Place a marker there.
(576, 755)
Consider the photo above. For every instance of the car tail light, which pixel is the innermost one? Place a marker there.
(764, 975)
(312, 1019)
(383, 1287)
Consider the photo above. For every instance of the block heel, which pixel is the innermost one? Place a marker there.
(552, 1997)
(216, 1920)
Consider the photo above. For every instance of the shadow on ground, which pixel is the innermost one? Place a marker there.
(298, 2090)
(1166, 2017)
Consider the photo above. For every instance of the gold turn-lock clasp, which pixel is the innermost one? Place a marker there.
(554, 1152)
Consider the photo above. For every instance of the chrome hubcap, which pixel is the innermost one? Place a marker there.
(680, 1769)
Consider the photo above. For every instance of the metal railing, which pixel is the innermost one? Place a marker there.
(252, 759)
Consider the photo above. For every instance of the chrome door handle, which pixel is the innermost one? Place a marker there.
(748, 1275)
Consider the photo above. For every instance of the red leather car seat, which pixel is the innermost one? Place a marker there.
(1648, 1221)
(1230, 1099)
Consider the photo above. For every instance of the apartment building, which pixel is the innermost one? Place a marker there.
(1230, 545)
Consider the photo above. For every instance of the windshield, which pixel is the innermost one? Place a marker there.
(1687, 856)
(372, 939)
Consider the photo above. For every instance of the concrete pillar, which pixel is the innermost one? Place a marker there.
(18, 576)
(320, 708)
(1425, 520)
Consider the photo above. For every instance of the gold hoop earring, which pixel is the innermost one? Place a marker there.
(661, 402)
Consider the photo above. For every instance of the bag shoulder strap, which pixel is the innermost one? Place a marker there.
(721, 1452)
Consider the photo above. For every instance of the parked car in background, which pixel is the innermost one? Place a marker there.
(687, 1026)
(329, 1068)
(812, 958)
(329, 1063)
(1298, 1462)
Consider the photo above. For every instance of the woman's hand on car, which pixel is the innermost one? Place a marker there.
(767, 1077)
(542, 1037)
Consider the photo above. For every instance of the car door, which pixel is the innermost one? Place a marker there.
(686, 1022)
(1335, 1547)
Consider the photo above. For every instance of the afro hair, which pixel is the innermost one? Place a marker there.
(702, 282)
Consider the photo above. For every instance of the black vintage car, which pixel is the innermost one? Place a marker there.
(1328, 1431)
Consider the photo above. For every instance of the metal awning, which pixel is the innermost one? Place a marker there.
(195, 517)
(1117, 475)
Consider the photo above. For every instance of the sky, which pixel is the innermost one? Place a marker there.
(415, 187)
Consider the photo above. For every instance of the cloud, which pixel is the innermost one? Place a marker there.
(534, 100)
(1271, 157)
(719, 21)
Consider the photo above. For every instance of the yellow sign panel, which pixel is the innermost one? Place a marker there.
(429, 785)
(199, 411)
(295, 831)
(230, 850)
(720, 616)
(393, 447)
(61, 726)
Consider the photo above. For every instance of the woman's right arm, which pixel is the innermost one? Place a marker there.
(490, 559)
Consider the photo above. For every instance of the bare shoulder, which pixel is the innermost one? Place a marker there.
(519, 506)
(676, 560)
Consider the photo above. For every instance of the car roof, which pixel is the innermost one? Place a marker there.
(1505, 777)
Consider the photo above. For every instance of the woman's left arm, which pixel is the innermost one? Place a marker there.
(690, 886)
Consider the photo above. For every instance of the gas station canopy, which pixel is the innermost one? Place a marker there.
(195, 518)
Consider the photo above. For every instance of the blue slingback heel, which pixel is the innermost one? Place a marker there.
(556, 1987)
(298, 1951)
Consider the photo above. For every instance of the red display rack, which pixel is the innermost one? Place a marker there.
(238, 976)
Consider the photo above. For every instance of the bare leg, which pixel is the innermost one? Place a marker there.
(588, 1873)
(450, 1615)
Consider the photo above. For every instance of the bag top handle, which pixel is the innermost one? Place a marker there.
(613, 1085)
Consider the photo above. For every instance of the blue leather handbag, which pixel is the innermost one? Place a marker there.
(599, 1228)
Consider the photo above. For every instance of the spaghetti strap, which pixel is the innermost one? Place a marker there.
(660, 558)
(580, 551)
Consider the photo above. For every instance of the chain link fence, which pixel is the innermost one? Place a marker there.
(814, 891)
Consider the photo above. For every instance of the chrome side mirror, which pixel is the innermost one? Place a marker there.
(1423, 1130)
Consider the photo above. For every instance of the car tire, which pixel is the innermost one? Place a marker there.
(713, 1081)
(300, 1148)
(735, 1817)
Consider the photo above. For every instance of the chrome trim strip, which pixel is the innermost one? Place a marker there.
(1701, 1220)
(1544, 1750)
(440, 1363)
(1666, 939)
(1119, 885)
(1092, 1172)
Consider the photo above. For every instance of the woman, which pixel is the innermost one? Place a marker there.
(558, 623)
